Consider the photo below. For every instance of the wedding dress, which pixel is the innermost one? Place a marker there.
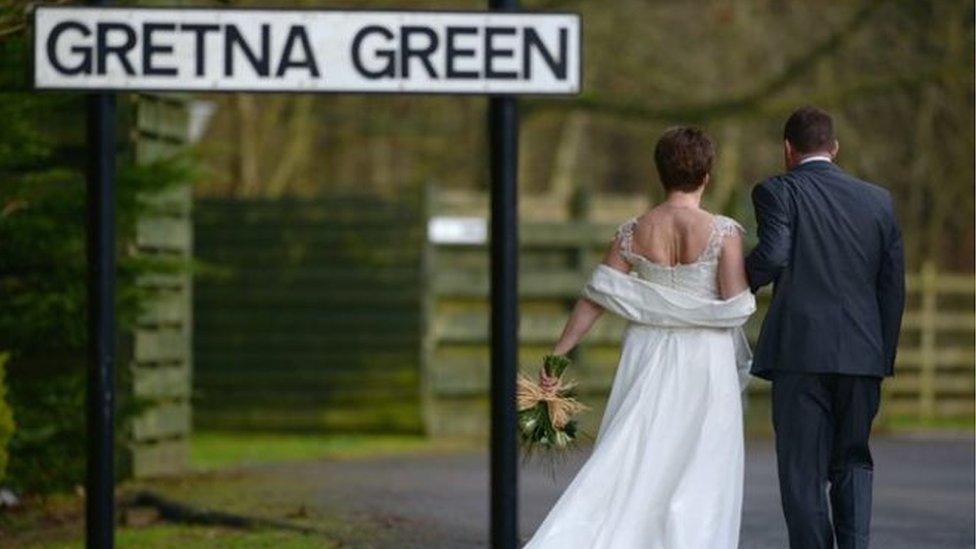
(666, 469)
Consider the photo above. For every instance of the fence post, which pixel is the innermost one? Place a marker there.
(161, 357)
(427, 309)
(580, 211)
(927, 333)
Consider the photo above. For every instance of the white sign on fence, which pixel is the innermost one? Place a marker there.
(447, 229)
(305, 50)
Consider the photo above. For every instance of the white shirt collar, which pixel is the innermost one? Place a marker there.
(815, 158)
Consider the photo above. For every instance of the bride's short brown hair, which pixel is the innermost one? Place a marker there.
(684, 156)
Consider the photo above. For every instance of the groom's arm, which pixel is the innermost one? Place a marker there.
(891, 289)
(770, 256)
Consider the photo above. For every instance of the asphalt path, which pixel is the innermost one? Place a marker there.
(924, 496)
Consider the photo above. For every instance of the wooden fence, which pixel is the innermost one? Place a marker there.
(161, 364)
(934, 371)
(307, 314)
(339, 315)
(934, 376)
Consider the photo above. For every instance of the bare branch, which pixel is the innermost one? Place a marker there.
(723, 108)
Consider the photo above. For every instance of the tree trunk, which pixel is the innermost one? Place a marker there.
(247, 146)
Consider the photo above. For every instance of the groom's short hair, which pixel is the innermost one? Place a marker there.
(684, 156)
(809, 129)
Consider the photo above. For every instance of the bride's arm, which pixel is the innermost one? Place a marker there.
(584, 316)
(586, 312)
(732, 279)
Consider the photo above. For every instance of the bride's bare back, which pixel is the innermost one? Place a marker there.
(678, 236)
(673, 236)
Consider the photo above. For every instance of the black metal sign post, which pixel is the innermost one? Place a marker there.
(503, 135)
(503, 126)
(100, 480)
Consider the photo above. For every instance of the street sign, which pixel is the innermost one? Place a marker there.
(499, 53)
(282, 50)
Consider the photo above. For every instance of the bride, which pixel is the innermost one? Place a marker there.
(666, 470)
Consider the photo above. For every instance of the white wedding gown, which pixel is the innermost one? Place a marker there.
(666, 470)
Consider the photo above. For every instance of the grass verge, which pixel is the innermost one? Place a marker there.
(213, 450)
(223, 481)
(167, 536)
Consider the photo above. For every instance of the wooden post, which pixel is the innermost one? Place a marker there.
(428, 304)
(161, 363)
(927, 341)
(580, 212)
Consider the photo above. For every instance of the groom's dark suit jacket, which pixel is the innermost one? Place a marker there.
(831, 245)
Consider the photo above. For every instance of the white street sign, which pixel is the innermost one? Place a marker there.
(276, 50)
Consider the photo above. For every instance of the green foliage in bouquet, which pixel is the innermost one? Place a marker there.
(546, 416)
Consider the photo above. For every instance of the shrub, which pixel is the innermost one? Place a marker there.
(6, 419)
(42, 279)
(48, 450)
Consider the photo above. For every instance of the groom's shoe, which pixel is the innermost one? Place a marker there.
(850, 499)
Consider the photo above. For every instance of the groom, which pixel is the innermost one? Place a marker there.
(831, 246)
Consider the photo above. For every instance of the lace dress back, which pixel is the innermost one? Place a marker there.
(699, 277)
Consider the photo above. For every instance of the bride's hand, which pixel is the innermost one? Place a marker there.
(546, 381)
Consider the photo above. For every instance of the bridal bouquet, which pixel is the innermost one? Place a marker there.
(545, 414)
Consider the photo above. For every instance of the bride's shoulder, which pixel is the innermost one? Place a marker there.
(626, 229)
(629, 224)
(727, 226)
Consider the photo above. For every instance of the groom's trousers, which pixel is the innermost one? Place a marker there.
(822, 424)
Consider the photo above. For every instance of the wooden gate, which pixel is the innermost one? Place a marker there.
(307, 314)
